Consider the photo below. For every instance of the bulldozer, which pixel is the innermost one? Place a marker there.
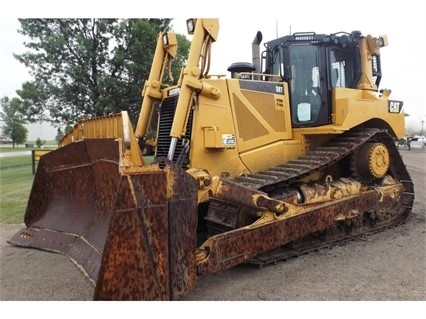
(289, 153)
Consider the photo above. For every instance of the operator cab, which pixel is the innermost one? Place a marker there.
(313, 65)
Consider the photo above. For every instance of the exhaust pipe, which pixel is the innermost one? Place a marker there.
(255, 66)
(256, 53)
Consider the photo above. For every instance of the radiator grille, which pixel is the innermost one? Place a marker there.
(167, 112)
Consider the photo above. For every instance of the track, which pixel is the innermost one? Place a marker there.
(277, 179)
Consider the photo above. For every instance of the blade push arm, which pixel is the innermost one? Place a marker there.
(204, 32)
(165, 52)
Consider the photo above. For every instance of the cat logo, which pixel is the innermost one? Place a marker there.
(395, 106)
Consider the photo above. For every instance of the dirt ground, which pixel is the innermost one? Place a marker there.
(389, 266)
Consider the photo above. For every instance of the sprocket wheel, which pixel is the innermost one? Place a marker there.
(371, 161)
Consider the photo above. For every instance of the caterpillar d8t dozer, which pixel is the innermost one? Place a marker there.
(292, 151)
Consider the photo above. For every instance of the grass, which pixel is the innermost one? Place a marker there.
(7, 149)
(4, 148)
(15, 184)
(16, 179)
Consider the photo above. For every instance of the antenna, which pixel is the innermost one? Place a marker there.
(276, 28)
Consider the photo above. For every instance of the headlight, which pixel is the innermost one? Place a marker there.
(165, 39)
(381, 41)
(190, 25)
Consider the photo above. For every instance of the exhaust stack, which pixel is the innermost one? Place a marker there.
(256, 52)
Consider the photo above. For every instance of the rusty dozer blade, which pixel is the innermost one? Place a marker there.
(131, 228)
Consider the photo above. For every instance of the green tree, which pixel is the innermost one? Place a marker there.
(84, 68)
(181, 56)
(13, 120)
(38, 142)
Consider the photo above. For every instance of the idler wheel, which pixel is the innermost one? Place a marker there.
(371, 161)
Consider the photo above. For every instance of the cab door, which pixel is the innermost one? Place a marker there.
(308, 86)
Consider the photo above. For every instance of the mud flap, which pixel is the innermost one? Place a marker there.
(132, 231)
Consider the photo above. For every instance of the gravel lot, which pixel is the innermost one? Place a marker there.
(389, 266)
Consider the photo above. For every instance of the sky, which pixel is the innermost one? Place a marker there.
(403, 62)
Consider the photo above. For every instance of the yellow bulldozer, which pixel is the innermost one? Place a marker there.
(292, 151)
